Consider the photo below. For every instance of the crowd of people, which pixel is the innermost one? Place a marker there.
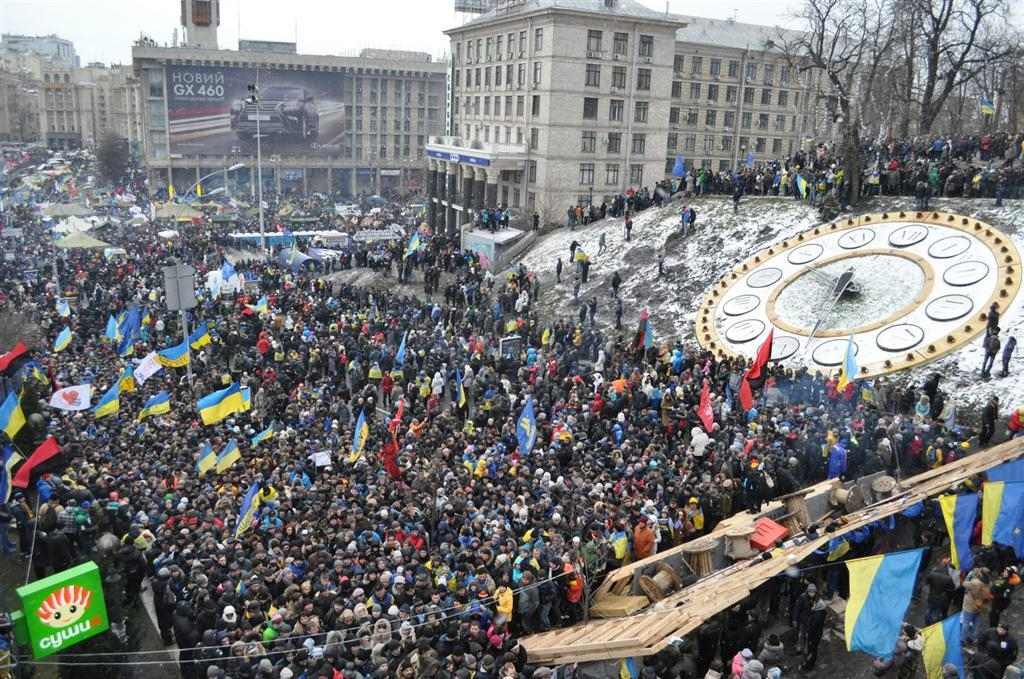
(428, 544)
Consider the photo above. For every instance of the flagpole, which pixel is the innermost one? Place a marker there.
(32, 549)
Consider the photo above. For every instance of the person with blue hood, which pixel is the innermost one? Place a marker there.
(837, 458)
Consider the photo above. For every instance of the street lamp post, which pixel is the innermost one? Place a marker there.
(236, 166)
(254, 98)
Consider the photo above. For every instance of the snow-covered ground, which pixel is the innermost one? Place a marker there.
(721, 240)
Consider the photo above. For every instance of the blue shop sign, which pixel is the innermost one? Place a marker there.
(458, 158)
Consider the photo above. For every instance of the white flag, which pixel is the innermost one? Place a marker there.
(72, 398)
(147, 367)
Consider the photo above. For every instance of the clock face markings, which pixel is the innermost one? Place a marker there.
(832, 352)
(783, 347)
(900, 337)
(805, 254)
(762, 278)
(858, 238)
(745, 331)
(908, 235)
(743, 304)
(966, 273)
(949, 307)
(949, 247)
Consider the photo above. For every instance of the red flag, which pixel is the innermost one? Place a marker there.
(389, 455)
(704, 411)
(746, 397)
(46, 450)
(763, 354)
(6, 359)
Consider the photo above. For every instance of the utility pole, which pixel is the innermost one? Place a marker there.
(254, 98)
(180, 292)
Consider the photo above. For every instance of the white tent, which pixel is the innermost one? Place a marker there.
(73, 225)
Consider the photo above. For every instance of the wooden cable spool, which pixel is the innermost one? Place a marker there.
(661, 584)
(796, 508)
(737, 543)
(883, 487)
(698, 555)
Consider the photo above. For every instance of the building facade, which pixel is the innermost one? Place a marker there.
(565, 102)
(553, 103)
(20, 87)
(736, 98)
(59, 51)
(349, 125)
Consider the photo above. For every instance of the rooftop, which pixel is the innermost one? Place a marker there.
(729, 33)
(628, 9)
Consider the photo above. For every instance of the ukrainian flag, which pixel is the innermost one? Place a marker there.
(627, 669)
(848, 373)
(261, 305)
(1002, 515)
(158, 405)
(414, 244)
(526, 429)
(126, 347)
(264, 435)
(127, 379)
(801, 184)
(147, 318)
(400, 354)
(880, 591)
(63, 340)
(960, 513)
(941, 646)
(12, 419)
(8, 460)
(460, 391)
(246, 400)
(110, 404)
(220, 404)
(207, 460)
(200, 337)
(986, 106)
(112, 333)
(1007, 471)
(359, 436)
(174, 357)
(228, 456)
(250, 507)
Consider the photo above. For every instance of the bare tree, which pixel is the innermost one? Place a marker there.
(850, 42)
(958, 39)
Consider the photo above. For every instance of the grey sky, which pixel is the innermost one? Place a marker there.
(103, 30)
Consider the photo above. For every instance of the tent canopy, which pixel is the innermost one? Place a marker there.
(176, 211)
(80, 241)
(73, 225)
(66, 210)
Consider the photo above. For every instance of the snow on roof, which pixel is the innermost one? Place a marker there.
(729, 33)
(623, 8)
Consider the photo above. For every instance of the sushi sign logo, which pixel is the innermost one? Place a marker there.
(64, 609)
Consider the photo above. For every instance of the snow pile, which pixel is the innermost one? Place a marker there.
(720, 241)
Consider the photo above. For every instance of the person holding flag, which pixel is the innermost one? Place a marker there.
(526, 428)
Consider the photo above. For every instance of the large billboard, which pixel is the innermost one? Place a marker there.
(299, 112)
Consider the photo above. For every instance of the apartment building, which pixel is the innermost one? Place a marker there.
(20, 85)
(553, 103)
(736, 98)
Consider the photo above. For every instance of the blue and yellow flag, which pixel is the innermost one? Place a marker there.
(130, 323)
(63, 308)
(250, 507)
(942, 646)
(112, 333)
(359, 436)
(200, 337)
(110, 404)
(627, 669)
(228, 456)
(126, 347)
(127, 379)
(1007, 471)
(63, 340)
(460, 392)
(1002, 515)
(171, 193)
(207, 459)
(221, 404)
(414, 244)
(880, 591)
(985, 106)
(158, 405)
(960, 512)
(174, 357)
(801, 185)
(849, 370)
(526, 428)
(261, 306)
(12, 419)
(264, 435)
(8, 459)
(246, 400)
(227, 271)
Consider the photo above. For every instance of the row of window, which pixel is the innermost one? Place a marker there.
(616, 108)
(620, 45)
(767, 71)
(483, 132)
(611, 174)
(712, 93)
(472, 106)
(492, 48)
(728, 118)
(592, 77)
(713, 143)
(612, 142)
(482, 77)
